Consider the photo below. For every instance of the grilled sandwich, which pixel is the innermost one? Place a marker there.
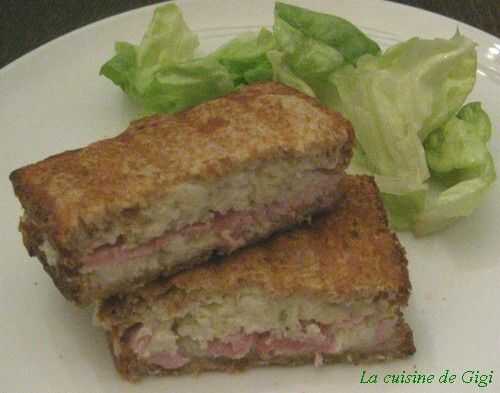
(172, 190)
(330, 291)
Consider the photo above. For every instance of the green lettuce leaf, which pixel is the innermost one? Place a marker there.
(315, 45)
(161, 73)
(462, 168)
(394, 99)
(308, 59)
(246, 57)
(168, 39)
(461, 143)
(311, 47)
(282, 73)
(456, 201)
(403, 210)
(177, 87)
(330, 30)
(429, 158)
(122, 67)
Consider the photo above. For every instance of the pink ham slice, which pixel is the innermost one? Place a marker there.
(114, 254)
(238, 346)
(228, 227)
(235, 346)
(120, 253)
(267, 347)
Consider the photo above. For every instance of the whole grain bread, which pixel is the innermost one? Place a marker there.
(75, 198)
(70, 195)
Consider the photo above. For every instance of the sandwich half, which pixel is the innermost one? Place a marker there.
(331, 291)
(172, 190)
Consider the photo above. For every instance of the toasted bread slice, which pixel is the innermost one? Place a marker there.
(173, 189)
(328, 291)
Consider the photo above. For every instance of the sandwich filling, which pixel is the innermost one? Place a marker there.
(232, 229)
(251, 325)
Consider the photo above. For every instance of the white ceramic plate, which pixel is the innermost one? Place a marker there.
(53, 100)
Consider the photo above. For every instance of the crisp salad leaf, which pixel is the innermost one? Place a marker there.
(462, 172)
(167, 40)
(403, 105)
(308, 59)
(330, 30)
(461, 144)
(394, 98)
(315, 45)
(246, 57)
(179, 86)
(462, 168)
(161, 73)
(403, 209)
(122, 67)
(283, 73)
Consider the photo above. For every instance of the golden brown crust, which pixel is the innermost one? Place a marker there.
(65, 274)
(85, 190)
(345, 255)
(133, 369)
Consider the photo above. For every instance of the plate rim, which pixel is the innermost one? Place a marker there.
(81, 31)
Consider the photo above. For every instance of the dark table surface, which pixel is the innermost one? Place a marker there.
(25, 25)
